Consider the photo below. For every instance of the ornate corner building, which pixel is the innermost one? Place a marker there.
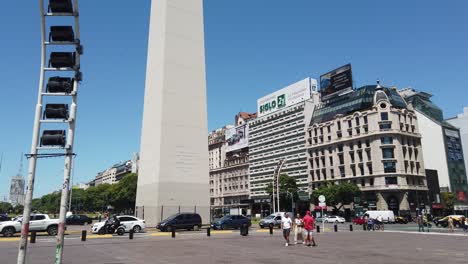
(369, 137)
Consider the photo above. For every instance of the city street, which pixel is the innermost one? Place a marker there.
(258, 247)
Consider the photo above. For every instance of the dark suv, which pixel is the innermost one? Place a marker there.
(189, 221)
(231, 221)
(78, 220)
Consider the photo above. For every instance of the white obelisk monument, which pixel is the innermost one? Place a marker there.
(173, 174)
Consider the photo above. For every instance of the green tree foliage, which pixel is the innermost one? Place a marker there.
(5, 207)
(287, 188)
(121, 196)
(448, 200)
(337, 195)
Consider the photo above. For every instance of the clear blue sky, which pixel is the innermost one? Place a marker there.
(252, 48)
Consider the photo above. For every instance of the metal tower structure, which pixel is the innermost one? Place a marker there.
(63, 73)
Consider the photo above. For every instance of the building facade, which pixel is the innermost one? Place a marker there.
(17, 190)
(114, 174)
(229, 165)
(279, 133)
(370, 138)
(442, 146)
(461, 122)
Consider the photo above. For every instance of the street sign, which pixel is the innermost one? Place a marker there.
(321, 198)
(322, 204)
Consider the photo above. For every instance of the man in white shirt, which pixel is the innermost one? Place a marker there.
(286, 224)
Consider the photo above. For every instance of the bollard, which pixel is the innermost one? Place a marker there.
(318, 229)
(364, 226)
(130, 234)
(83, 235)
(351, 228)
(335, 227)
(244, 230)
(173, 231)
(33, 237)
(271, 230)
(208, 231)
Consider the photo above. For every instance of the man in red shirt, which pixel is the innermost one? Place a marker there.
(309, 223)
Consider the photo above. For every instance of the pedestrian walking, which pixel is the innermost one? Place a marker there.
(466, 225)
(380, 222)
(450, 224)
(370, 224)
(298, 229)
(286, 224)
(309, 225)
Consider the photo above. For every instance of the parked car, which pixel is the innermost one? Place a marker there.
(4, 218)
(359, 220)
(401, 220)
(444, 221)
(78, 220)
(189, 221)
(38, 222)
(231, 221)
(334, 219)
(127, 221)
(273, 220)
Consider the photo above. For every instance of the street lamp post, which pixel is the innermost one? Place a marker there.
(280, 166)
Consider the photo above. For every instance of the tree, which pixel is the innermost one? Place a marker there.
(448, 200)
(124, 193)
(337, 195)
(287, 188)
(5, 207)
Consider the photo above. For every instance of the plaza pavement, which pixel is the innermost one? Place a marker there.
(259, 247)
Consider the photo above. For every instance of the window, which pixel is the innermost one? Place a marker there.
(321, 130)
(357, 121)
(332, 173)
(369, 167)
(361, 169)
(351, 156)
(386, 140)
(371, 181)
(350, 124)
(367, 143)
(328, 129)
(338, 125)
(341, 159)
(387, 153)
(351, 146)
(359, 144)
(340, 148)
(385, 126)
(324, 173)
(391, 180)
(389, 167)
(384, 116)
(363, 182)
(342, 172)
(360, 156)
(331, 161)
(368, 152)
(353, 169)
(365, 119)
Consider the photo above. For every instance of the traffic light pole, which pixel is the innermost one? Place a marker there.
(61, 9)
(33, 154)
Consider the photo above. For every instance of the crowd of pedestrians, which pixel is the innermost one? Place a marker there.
(303, 229)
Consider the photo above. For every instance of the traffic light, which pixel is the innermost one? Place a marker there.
(56, 111)
(53, 138)
(61, 6)
(62, 59)
(62, 33)
(59, 85)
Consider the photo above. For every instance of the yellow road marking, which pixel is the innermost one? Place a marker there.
(160, 234)
(11, 239)
(221, 232)
(99, 236)
(263, 231)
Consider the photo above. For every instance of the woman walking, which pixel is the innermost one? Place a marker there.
(298, 227)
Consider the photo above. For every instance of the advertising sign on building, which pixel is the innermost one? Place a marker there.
(290, 95)
(336, 82)
(237, 137)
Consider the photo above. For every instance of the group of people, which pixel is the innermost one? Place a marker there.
(371, 222)
(303, 229)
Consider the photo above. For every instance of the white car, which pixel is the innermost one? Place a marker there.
(127, 221)
(334, 219)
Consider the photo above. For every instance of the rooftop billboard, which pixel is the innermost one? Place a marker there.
(237, 137)
(290, 95)
(336, 82)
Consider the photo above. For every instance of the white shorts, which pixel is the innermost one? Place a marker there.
(308, 232)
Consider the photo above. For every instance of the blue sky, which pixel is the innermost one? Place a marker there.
(252, 48)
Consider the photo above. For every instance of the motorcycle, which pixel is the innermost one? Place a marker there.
(111, 227)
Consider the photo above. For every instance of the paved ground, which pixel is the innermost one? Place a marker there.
(259, 247)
